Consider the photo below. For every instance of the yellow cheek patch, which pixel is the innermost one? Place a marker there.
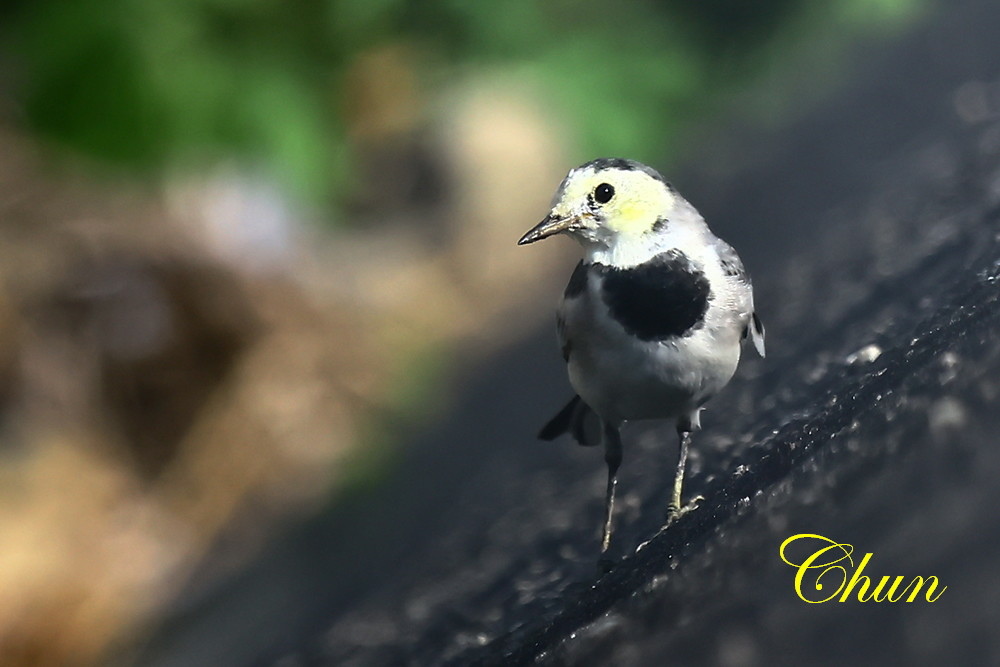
(639, 201)
(631, 217)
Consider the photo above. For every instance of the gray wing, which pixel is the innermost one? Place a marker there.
(732, 267)
(574, 289)
(564, 343)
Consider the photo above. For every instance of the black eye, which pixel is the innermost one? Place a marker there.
(603, 193)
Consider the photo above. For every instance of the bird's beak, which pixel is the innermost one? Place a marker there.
(551, 225)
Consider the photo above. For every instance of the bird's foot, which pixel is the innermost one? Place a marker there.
(674, 513)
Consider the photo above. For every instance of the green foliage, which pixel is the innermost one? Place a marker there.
(153, 84)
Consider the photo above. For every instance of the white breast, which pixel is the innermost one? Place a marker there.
(624, 378)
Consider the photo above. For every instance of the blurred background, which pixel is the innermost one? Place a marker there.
(248, 249)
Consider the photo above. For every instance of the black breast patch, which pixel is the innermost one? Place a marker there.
(660, 299)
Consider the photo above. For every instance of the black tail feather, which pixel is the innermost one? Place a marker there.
(561, 423)
(571, 419)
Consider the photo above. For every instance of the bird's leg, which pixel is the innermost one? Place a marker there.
(675, 510)
(613, 457)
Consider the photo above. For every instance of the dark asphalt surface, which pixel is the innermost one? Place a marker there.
(872, 220)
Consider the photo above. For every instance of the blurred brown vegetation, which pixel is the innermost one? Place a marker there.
(160, 389)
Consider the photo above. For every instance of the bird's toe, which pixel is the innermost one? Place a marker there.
(674, 512)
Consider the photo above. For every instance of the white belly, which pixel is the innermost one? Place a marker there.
(623, 378)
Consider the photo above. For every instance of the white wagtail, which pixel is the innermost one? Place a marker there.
(652, 320)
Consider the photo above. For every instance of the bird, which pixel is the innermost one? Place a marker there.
(653, 319)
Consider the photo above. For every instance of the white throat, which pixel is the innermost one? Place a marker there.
(626, 251)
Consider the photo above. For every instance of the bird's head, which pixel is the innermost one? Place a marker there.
(607, 201)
